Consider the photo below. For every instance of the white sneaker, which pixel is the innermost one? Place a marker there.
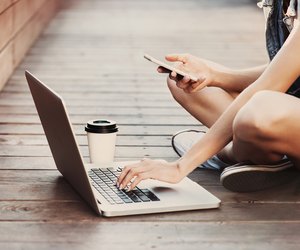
(183, 140)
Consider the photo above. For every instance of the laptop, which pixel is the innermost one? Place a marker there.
(96, 184)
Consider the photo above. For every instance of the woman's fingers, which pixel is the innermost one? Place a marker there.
(184, 82)
(191, 86)
(176, 58)
(124, 177)
(161, 170)
(161, 69)
(139, 177)
(173, 76)
(130, 173)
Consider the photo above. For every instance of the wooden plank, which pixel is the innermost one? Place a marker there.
(163, 96)
(100, 88)
(68, 210)
(6, 64)
(45, 163)
(12, 20)
(104, 102)
(94, 99)
(23, 11)
(6, 23)
(132, 119)
(122, 140)
(129, 129)
(121, 151)
(51, 186)
(4, 4)
(103, 111)
(23, 40)
(185, 235)
(13, 163)
(21, 14)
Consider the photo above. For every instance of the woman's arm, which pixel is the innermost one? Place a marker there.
(237, 80)
(213, 74)
(279, 75)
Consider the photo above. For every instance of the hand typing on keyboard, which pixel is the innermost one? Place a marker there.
(104, 180)
(161, 170)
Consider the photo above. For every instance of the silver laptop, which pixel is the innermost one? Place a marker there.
(96, 184)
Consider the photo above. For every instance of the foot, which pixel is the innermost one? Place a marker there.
(183, 140)
(243, 177)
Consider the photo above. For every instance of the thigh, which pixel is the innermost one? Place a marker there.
(206, 105)
(270, 125)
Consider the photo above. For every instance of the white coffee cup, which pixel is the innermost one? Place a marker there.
(102, 135)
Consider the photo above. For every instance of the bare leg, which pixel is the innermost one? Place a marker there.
(266, 129)
(205, 105)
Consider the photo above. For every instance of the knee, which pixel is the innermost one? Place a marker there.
(257, 119)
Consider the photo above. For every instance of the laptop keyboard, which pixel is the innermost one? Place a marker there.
(104, 180)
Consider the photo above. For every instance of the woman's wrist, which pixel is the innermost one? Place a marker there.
(217, 75)
(222, 77)
(179, 173)
(182, 167)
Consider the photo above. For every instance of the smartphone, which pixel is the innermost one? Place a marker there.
(169, 67)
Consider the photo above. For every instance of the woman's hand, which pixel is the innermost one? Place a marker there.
(204, 70)
(161, 170)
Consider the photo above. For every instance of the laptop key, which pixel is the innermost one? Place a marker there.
(141, 195)
(150, 195)
(153, 197)
(127, 200)
(133, 197)
(144, 198)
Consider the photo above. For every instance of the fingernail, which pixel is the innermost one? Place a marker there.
(121, 186)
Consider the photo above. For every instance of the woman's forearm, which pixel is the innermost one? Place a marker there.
(237, 80)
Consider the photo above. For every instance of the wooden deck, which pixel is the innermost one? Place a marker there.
(92, 55)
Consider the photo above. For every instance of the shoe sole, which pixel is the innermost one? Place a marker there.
(249, 178)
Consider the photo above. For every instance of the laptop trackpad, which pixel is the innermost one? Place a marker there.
(171, 192)
(164, 190)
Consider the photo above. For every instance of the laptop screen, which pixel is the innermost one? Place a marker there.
(61, 139)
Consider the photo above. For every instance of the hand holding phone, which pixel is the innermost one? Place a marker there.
(170, 68)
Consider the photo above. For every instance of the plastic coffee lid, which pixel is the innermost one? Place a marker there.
(101, 126)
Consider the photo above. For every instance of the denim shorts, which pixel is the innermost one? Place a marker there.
(278, 27)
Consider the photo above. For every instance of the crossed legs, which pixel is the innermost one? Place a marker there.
(264, 130)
